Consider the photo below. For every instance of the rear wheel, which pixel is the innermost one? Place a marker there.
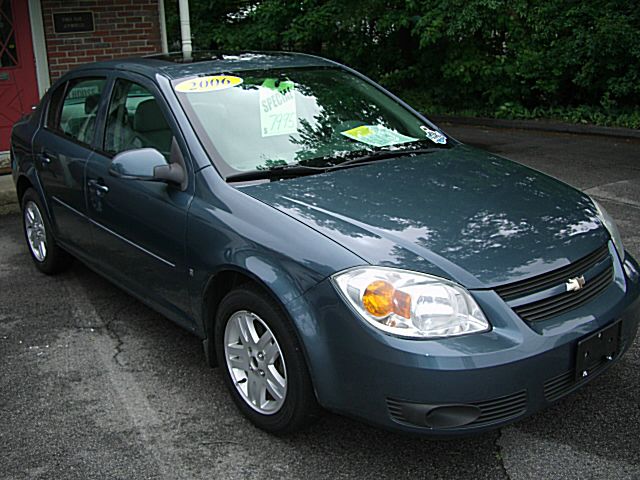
(46, 255)
(262, 362)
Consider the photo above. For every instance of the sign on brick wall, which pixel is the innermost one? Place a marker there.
(85, 31)
(73, 22)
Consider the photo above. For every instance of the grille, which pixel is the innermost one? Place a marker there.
(498, 409)
(564, 302)
(559, 386)
(546, 280)
(558, 304)
(502, 408)
(395, 410)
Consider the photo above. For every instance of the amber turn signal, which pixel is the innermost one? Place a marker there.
(381, 299)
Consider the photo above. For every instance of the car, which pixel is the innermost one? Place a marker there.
(333, 248)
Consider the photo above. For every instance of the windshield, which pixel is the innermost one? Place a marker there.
(255, 120)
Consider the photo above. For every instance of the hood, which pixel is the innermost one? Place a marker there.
(460, 213)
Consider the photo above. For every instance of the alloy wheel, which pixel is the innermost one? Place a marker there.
(255, 362)
(35, 230)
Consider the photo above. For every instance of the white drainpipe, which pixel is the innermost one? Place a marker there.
(39, 46)
(185, 29)
(163, 27)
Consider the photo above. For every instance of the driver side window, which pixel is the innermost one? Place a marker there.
(134, 120)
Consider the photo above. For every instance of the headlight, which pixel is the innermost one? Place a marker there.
(610, 224)
(411, 304)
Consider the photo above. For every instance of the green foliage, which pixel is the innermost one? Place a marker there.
(569, 59)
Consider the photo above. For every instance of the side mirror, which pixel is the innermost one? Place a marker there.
(146, 164)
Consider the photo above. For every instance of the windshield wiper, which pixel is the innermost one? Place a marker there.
(380, 155)
(277, 171)
(298, 170)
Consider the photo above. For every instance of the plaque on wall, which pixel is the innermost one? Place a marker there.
(73, 22)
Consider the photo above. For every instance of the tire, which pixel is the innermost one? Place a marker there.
(282, 359)
(47, 256)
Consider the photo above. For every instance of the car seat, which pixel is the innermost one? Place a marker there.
(151, 128)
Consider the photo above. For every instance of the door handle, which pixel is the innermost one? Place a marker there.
(101, 190)
(46, 159)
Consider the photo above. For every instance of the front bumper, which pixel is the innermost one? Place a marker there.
(491, 378)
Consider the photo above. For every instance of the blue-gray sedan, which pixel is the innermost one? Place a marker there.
(330, 245)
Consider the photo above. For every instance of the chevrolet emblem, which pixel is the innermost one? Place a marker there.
(576, 283)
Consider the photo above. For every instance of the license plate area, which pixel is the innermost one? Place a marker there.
(596, 349)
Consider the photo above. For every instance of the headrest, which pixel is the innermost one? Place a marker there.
(149, 117)
(91, 103)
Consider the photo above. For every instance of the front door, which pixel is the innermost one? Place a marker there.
(18, 84)
(139, 227)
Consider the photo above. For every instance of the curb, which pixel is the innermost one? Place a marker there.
(8, 199)
(540, 125)
(5, 166)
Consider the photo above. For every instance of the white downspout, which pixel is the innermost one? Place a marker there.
(163, 27)
(185, 29)
(39, 46)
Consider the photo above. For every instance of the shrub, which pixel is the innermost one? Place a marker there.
(569, 59)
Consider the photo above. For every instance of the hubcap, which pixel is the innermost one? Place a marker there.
(255, 362)
(36, 234)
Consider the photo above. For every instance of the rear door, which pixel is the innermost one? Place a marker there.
(61, 149)
(139, 227)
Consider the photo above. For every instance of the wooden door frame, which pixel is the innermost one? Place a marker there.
(39, 47)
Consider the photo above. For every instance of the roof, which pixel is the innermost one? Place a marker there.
(174, 66)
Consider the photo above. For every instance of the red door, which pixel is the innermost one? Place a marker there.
(18, 84)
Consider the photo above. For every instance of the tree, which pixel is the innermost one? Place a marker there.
(475, 55)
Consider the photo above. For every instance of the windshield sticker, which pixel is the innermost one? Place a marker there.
(208, 84)
(278, 114)
(283, 86)
(377, 136)
(434, 136)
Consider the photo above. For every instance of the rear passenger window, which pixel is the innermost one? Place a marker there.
(135, 120)
(77, 118)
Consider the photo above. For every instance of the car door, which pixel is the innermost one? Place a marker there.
(62, 147)
(139, 227)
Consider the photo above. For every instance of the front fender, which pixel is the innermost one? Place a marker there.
(232, 230)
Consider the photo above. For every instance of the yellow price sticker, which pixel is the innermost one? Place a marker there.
(208, 84)
(377, 135)
(362, 131)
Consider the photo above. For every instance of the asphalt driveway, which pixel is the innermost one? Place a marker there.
(93, 384)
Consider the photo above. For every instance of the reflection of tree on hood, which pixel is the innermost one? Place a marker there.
(466, 206)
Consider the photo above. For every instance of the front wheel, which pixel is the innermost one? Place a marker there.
(46, 255)
(262, 362)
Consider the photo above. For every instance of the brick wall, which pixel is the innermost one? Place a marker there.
(123, 28)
